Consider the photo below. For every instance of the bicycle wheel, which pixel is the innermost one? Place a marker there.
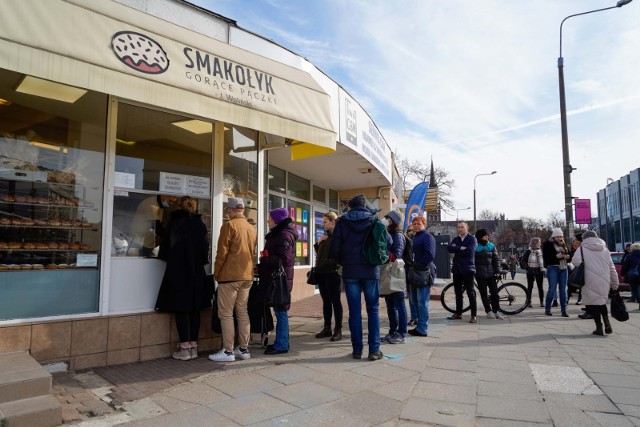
(513, 298)
(448, 299)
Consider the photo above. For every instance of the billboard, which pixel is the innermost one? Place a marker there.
(583, 211)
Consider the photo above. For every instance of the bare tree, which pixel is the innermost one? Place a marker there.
(414, 172)
(555, 219)
(489, 215)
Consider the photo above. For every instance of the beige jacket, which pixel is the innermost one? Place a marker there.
(600, 273)
(236, 253)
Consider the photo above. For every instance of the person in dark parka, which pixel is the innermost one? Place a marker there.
(279, 247)
(185, 249)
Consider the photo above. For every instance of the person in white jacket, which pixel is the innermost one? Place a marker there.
(599, 277)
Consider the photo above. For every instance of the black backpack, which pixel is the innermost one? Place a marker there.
(407, 253)
(524, 259)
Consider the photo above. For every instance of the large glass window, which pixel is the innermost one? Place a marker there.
(241, 169)
(159, 157)
(52, 148)
(298, 187)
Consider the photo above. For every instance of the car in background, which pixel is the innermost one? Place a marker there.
(616, 257)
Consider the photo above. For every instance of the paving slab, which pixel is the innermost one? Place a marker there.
(200, 416)
(263, 407)
(513, 409)
(448, 376)
(446, 392)
(242, 384)
(563, 379)
(438, 412)
(626, 396)
(306, 394)
(370, 407)
(509, 390)
(348, 382)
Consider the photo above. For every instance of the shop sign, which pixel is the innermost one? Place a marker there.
(197, 186)
(87, 260)
(172, 183)
(583, 211)
(189, 185)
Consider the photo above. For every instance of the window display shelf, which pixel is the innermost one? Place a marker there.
(45, 205)
(92, 227)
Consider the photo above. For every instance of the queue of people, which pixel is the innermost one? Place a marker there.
(339, 261)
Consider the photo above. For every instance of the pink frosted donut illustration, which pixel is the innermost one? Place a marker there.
(139, 52)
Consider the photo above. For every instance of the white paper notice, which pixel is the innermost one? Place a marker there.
(172, 183)
(197, 186)
(125, 180)
(87, 260)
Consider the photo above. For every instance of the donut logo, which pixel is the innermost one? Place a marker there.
(139, 52)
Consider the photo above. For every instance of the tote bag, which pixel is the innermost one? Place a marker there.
(392, 277)
(278, 292)
(576, 279)
(618, 309)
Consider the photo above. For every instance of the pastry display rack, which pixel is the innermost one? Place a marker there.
(43, 224)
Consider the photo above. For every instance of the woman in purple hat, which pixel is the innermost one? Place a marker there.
(279, 247)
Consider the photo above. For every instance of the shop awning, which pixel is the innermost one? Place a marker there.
(110, 48)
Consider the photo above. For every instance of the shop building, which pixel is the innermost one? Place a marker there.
(619, 211)
(111, 110)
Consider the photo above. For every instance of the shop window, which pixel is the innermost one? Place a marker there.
(159, 158)
(277, 179)
(300, 214)
(333, 199)
(319, 194)
(298, 187)
(241, 169)
(52, 156)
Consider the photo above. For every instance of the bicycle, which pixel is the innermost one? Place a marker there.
(513, 297)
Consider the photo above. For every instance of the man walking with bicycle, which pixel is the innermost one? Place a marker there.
(463, 248)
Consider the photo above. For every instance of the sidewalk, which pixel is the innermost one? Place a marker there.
(529, 369)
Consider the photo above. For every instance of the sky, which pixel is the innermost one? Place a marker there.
(474, 84)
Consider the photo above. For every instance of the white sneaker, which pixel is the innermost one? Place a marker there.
(499, 316)
(491, 315)
(222, 356)
(242, 354)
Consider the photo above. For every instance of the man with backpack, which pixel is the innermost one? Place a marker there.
(355, 235)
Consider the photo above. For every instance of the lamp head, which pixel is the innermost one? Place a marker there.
(494, 172)
(623, 2)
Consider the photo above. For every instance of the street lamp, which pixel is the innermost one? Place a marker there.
(566, 164)
(474, 196)
(462, 209)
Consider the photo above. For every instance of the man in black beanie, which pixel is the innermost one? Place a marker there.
(358, 276)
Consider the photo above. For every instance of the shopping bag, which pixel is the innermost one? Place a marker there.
(278, 292)
(576, 278)
(392, 277)
(618, 309)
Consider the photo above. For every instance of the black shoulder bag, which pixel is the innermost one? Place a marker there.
(576, 279)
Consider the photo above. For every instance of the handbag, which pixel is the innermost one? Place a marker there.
(618, 309)
(278, 292)
(392, 277)
(419, 277)
(576, 279)
(311, 276)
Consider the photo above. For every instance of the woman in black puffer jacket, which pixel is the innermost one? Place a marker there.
(487, 268)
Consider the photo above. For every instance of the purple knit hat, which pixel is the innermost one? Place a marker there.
(278, 215)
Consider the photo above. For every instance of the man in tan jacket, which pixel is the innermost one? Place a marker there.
(233, 270)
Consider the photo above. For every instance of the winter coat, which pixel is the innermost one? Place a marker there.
(600, 273)
(236, 253)
(487, 261)
(346, 246)
(549, 254)
(396, 245)
(325, 264)
(185, 249)
(463, 260)
(280, 244)
(630, 261)
(424, 251)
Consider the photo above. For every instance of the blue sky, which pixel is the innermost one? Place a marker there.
(475, 85)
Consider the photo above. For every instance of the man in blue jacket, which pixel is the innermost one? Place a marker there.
(358, 275)
(463, 248)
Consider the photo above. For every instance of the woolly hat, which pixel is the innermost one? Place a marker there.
(480, 233)
(278, 215)
(556, 232)
(395, 217)
(589, 233)
(358, 201)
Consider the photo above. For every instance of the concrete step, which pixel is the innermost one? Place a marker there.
(21, 377)
(41, 411)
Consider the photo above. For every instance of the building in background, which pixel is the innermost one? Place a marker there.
(619, 211)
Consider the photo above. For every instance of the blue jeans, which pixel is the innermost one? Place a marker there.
(282, 330)
(413, 305)
(397, 313)
(353, 288)
(422, 296)
(557, 279)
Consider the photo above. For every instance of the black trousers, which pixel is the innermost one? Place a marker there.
(600, 314)
(489, 304)
(329, 286)
(539, 279)
(464, 282)
(188, 325)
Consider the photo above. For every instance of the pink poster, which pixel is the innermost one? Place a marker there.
(583, 211)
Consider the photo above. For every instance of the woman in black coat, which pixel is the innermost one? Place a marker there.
(279, 248)
(185, 249)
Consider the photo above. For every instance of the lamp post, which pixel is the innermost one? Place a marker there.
(474, 196)
(566, 164)
(463, 209)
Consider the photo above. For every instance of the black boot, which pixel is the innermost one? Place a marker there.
(325, 332)
(337, 334)
(597, 319)
(607, 325)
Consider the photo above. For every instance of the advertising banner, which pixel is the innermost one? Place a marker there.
(415, 203)
(583, 211)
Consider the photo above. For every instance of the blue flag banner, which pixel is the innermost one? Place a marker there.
(415, 203)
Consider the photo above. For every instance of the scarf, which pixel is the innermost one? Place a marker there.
(562, 263)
